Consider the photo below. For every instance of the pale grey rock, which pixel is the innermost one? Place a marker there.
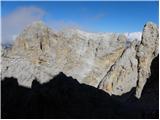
(133, 67)
(147, 51)
(104, 60)
(40, 53)
(122, 76)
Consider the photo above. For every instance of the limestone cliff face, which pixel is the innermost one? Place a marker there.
(103, 60)
(122, 75)
(147, 51)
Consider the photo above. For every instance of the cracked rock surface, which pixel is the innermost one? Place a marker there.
(147, 51)
(104, 60)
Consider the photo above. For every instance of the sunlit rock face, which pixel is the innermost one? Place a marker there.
(104, 60)
(122, 76)
(147, 51)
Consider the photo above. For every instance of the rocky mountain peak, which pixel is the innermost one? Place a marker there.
(37, 27)
(34, 40)
(147, 51)
(96, 59)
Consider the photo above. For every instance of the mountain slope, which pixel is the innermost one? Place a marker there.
(103, 60)
(65, 97)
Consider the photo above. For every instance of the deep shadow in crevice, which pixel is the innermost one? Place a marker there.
(65, 97)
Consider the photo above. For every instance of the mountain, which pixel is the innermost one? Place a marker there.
(64, 97)
(103, 60)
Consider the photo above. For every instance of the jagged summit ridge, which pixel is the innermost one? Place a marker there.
(98, 59)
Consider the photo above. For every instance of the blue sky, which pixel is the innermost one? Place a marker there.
(104, 16)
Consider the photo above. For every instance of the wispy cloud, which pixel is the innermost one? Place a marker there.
(99, 16)
(95, 17)
(15, 22)
(59, 25)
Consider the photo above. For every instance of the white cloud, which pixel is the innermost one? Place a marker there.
(15, 22)
(59, 25)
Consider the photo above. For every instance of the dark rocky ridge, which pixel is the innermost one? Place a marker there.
(65, 97)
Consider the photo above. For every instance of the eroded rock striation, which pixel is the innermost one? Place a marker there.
(122, 75)
(147, 51)
(104, 60)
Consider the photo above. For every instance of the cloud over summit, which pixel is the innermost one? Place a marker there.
(15, 22)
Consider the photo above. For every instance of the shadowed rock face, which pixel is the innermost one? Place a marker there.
(103, 60)
(150, 93)
(149, 101)
(65, 97)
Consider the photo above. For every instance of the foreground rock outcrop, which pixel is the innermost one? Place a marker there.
(65, 97)
(104, 60)
(147, 51)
